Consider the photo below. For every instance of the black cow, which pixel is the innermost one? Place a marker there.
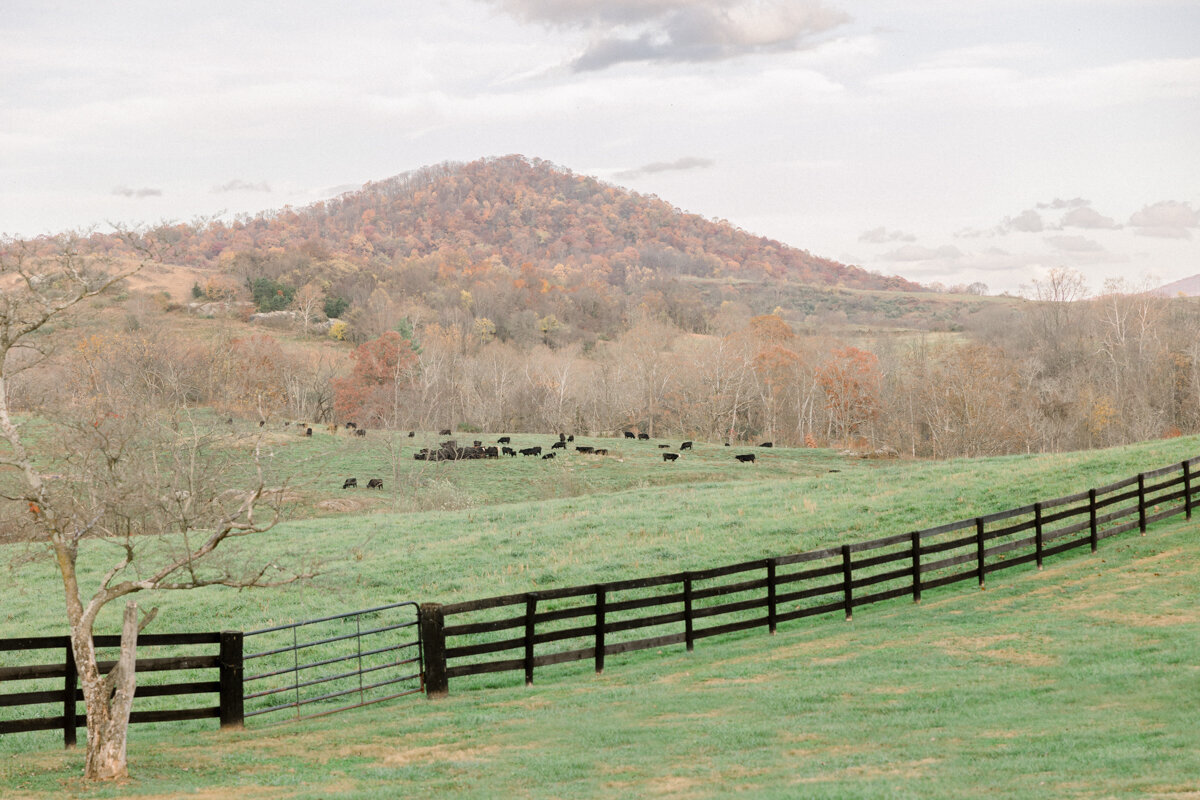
(562, 437)
(643, 436)
(670, 456)
(571, 438)
(685, 446)
(491, 452)
(559, 446)
(444, 432)
(476, 443)
(584, 449)
(548, 455)
(375, 483)
(508, 451)
(308, 431)
(504, 440)
(350, 426)
(767, 444)
(351, 483)
(630, 435)
(600, 451)
(261, 422)
(663, 446)
(411, 434)
(745, 458)
(361, 432)
(531, 451)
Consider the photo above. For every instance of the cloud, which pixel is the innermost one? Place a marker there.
(125, 191)
(1075, 244)
(1086, 217)
(1169, 219)
(1058, 204)
(679, 164)
(239, 185)
(680, 30)
(916, 252)
(882, 235)
(1028, 221)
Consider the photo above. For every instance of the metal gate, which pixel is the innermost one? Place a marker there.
(322, 666)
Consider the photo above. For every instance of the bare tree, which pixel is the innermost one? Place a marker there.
(117, 474)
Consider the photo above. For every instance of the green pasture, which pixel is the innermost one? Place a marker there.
(1079, 681)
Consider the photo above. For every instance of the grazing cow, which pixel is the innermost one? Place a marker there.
(477, 443)
(375, 483)
(584, 449)
(350, 426)
(835, 470)
(548, 455)
(491, 452)
(261, 422)
(767, 444)
(508, 451)
(663, 446)
(630, 435)
(559, 446)
(571, 438)
(643, 436)
(360, 432)
(685, 446)
(308, 431)
(600, 451)
(531, 451)
(562, 437)
(411, 434)
(670, 456)
(351, 483)
(504, 440)
(444, 432)
(745, 458)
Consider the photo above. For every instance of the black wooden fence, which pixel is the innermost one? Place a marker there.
(591, 622)
(213, 677)
(570, 624)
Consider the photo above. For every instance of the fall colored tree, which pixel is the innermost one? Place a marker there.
(850, 379)
(373, 393)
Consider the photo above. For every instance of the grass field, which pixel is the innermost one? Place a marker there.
(1079, 681)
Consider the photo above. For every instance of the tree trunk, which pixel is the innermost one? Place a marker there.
(108, 700)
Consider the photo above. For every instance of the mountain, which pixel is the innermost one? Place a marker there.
(527, 211)
(1188, 287)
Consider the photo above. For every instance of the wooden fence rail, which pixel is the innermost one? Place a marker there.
(30, 678)
(527, 631)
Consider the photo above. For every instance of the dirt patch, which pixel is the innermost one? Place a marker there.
(340, 505)
(977, 646)
(669, 786)
(1134, 619)
(902, 770)
(439, 752)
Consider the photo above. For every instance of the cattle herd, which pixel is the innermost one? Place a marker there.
(451, 450)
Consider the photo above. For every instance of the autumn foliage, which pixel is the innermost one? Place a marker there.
(373, 392)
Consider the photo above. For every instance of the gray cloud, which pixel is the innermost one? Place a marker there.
(125, 191)
(1028, 221)
(685, 163)
(1074, 244)
(1087, 217)
(1058, 204)
(1169, 219)
(916, 252)
(239, 185)
(882, 235)
(680, 30)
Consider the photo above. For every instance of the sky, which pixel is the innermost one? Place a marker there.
(949, 141)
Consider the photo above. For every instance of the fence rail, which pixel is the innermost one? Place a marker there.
(31, 696)
(525, 631)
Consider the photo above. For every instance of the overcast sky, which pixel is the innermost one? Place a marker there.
(942, 140)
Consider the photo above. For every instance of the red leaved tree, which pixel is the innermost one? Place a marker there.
(373, 393)
(850, 378)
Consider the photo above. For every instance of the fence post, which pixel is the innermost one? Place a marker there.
(847, 588)
(600, 602)
(1142, 502)
(687, 611)
(1094, 532)
(530, 611)
(916, 565)
(432, 629)
(1037, 532)
(69, 685)
(230, 671)
(771, 595)
(979, 549)
(1187, 489)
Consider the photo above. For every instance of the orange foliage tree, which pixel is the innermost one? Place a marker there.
(850, 379)
(373, 393)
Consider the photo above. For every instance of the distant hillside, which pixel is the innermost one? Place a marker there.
(1188, 287)
(527, 212)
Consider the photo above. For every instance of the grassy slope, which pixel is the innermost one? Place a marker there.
(1079, 681)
